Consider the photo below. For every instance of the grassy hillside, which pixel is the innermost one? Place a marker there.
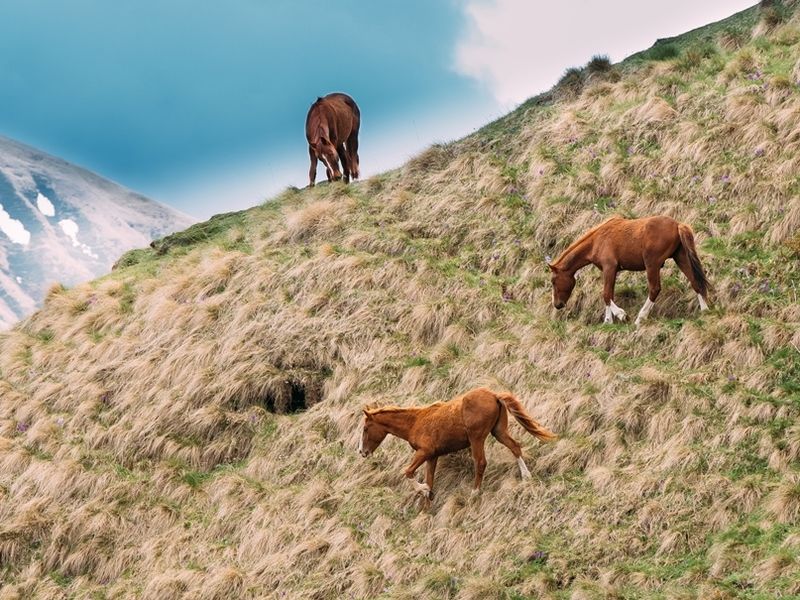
(186, 426)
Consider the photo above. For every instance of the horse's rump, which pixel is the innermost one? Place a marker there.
(336, 116)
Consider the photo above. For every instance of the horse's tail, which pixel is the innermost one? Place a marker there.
(687, 241)
(517, 410)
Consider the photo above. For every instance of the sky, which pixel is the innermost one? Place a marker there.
(201, 105)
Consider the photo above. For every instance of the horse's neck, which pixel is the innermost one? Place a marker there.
(398, 422)
(578, 257)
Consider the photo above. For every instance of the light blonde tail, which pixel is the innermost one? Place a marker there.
(517, 410)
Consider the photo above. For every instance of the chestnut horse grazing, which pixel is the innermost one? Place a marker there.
(630, 245)
(332, 132)
(445, 427)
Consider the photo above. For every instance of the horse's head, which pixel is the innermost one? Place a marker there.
(563, 283)
(372, 435)
(327, 153)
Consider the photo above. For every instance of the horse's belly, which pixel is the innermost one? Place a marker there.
(632, 265)
(453, 444)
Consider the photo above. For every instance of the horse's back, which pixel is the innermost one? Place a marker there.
(631, 241)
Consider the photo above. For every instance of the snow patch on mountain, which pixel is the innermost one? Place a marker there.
(70, 229)
(45, 206)
(13, 228)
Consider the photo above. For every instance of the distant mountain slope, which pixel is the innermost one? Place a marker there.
(62, 223)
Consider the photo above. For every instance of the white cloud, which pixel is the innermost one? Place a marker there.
(14, 229)
(45, 206)
(518, 48)
(70, 229)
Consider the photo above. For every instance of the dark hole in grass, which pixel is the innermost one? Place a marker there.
(291, 395)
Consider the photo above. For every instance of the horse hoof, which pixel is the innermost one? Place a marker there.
(425, 491)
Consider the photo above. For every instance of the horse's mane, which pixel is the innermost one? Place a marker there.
(394, 409)
(582, 239)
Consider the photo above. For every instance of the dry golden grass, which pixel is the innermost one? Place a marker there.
(141, 455)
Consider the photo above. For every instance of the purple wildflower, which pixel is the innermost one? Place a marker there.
(711, 199)
(60, 421)
(759, 152)
(725, 179)
(22, 427)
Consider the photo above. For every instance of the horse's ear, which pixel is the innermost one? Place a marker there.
(367, 412)
(553, 268)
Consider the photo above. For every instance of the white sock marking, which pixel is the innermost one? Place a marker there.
(422, 488)
(618, 312)
(608, 318)
(703, 305)
(523, 469)
(648, 306)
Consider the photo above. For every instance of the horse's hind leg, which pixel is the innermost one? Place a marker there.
(654, 287)
(685, 265)
(345, 163)
(352, 155)
(500, 432)
(479, 458)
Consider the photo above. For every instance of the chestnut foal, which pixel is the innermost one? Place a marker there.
(445, 427)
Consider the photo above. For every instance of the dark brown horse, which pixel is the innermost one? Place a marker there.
(444, 427)
(630, 245)
(332, 127)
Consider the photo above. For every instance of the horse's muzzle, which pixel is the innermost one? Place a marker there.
(365, 453)
(558, 305)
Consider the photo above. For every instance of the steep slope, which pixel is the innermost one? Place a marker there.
(149, 444)
(59, 222)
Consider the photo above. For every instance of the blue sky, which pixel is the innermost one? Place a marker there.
(201, 104)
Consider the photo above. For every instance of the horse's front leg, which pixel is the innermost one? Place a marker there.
(312, 172)
(612, 310)
(420, 456)
(654, 287)
(429, 473)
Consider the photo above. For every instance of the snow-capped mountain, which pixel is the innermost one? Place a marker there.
(62, 223)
